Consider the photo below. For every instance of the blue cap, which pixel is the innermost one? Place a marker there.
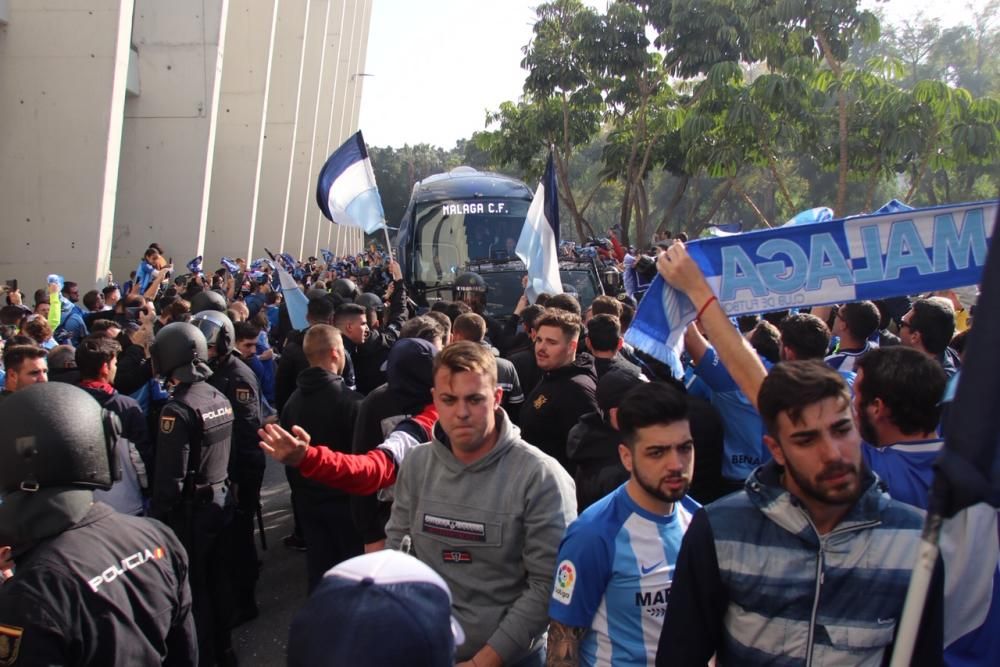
(381, 609)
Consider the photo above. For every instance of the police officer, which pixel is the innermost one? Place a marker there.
(471, 288)
(208, 300)
(92, 587)
(239, 384)
(190, 487)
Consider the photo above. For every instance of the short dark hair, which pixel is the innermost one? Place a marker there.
(606, 305)
(90, 299)
(110, 289)
(861, 317)
(93, 352)
(628, 313)
(14, 356)
(566, 302)
(807, 335)
(604, 332)
(423, 327)
(766, 339)
(445, 323)
(346, 311)
(908, 381)
(177, 310)
(246, 330)
(470, 327)
(455, 309)
(649, 404)
(67, 286)
(934, 318)
(747, 323)
(321, 309)
(791, 386)
(102, 325)
(568, 322)
(530, 314)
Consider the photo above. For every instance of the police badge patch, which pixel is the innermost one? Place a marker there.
(167, 424)
(243, 395)
(10, 644)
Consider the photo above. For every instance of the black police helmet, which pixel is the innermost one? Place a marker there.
(208, 300)
(180, 351)
(370, 301)
(344, 288)
(57, 435)
(469, 282)
(218, 330)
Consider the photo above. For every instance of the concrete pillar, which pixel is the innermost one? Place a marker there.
(242, 108)
(63, 74)
(279, 130)
(305, 136)
(321, 126)
(347, 95)
(170, 129)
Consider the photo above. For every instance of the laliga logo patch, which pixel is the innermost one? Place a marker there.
(565, 581)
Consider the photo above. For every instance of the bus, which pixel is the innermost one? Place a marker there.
(470, 220)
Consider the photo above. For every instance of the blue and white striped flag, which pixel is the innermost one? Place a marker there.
(230, 265)
(893, 253)
(346, 191)
(539, 240)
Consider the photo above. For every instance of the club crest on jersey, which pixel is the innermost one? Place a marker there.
(167, 424)
(243, 395)
(10, 644)
(540, 401)
(565, 582)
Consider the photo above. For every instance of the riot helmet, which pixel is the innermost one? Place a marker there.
(208, 300)
(180, 351)
(370, 301)
(56, 435)
(344, 288)
(218, 330)
(470, 288)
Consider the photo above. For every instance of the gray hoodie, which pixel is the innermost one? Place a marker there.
(491, 530)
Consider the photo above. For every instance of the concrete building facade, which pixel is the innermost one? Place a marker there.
(196, 124)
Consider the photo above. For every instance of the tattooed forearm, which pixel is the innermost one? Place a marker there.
(564, 645)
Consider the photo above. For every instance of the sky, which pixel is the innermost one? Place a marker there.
(437, 66)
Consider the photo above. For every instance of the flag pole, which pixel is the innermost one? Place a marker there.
(388, 244)
(916, 594)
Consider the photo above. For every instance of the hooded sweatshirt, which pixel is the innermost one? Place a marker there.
(556, 404)
(592, 446)
(491, 529)
(327, 410)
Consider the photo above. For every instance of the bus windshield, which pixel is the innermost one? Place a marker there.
(453, 232)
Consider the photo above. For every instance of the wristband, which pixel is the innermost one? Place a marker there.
(704, 307)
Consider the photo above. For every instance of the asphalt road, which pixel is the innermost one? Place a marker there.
(282, 585)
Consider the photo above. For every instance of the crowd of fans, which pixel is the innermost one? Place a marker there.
(587, 426)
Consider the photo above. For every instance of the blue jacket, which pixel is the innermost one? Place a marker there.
(757, 584)
(73, 328)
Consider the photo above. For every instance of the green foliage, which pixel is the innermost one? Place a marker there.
(673, 114)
